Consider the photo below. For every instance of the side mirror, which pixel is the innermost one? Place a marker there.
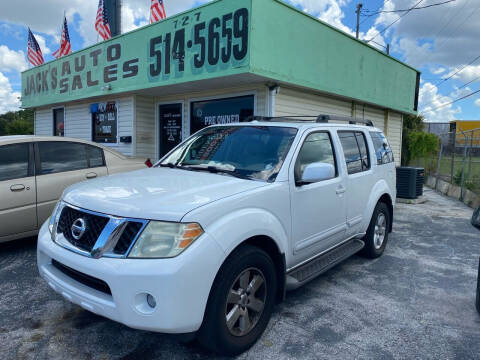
(317, 172)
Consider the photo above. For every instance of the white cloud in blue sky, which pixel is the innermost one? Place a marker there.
(438, 41)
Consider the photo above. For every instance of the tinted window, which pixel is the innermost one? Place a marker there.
(14, 161)
(220, 111)
(383, 151)
(255, 152)
(95, 156)
(316, 148)
(355, 150)
(61, 156)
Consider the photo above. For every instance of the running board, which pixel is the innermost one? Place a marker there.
(321, 264)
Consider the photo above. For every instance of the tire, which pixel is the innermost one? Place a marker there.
(377, 233)
(215, 334)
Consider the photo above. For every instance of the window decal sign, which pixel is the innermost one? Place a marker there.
(170, 116)
(104, 122)
(192, 46)
(220, 111)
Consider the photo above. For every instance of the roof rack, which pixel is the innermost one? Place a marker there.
(322, 118)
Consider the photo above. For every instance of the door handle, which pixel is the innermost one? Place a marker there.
(340, 190)
(91, 175)
(17, 187)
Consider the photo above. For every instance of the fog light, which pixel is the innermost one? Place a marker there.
(151, 301)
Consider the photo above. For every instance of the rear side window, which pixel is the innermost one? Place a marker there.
(14, 161)
(383, 151)
(95, 156)
(59, 156)
(355, 150)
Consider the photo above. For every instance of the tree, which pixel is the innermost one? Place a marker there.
(411, 123)
(17, 123)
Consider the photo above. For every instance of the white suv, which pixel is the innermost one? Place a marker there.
(209, 239)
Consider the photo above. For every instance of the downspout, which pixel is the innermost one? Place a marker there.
(273, 90)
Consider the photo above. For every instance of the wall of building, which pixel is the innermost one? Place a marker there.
(290, 102)
(144, 141)
(145, 127)
(78, 121)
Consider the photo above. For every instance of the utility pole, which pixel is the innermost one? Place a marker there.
(359, 8)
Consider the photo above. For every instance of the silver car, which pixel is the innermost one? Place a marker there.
(35, 170)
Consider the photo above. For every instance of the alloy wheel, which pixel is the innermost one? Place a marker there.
(245, 302)
(380, 231)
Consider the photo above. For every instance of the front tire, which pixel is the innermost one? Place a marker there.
(377, 234)
(240, 303)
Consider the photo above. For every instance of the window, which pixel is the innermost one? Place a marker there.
(382, 149)
(253, 152)
(220, 111)
(316, 148)
(355, 150)
(59, 156)
(14, 162)
(95, 156)
(59, 122)
(104, 122)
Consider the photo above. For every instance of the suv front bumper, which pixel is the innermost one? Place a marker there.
(180, 285)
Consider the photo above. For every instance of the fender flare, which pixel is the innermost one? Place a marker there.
(235, 228)
(380, 189)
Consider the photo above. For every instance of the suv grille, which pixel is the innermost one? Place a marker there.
(127, 237)
(94, 224)
(94, 227)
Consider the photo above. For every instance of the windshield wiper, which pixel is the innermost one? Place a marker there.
(216, 170)
(173, 166)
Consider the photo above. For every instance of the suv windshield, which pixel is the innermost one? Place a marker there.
(253, 152)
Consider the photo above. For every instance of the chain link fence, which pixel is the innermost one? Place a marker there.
(457, 160)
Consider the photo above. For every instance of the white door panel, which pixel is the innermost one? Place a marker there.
(318, 209)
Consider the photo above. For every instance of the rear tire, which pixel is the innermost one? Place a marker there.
(377, 234)
(244, 293)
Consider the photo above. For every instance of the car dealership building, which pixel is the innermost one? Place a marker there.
(144, 91)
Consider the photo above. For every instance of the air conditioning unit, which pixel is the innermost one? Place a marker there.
(410, 182)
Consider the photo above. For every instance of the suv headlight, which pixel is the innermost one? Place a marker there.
(165, 240)
(53, 221)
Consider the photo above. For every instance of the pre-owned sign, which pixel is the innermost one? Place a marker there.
(206, 42)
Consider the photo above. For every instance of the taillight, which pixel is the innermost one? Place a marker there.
(148, 162)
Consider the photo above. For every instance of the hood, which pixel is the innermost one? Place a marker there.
(155, 193)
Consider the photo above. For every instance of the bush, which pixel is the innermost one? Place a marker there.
(421, 145)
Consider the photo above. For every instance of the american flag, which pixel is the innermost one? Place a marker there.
(65, 46)
(35, 56)
(101, 23)
(157, 11)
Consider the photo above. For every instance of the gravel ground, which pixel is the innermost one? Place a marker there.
(416, 301)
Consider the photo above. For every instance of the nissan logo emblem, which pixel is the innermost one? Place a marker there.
(78, 228)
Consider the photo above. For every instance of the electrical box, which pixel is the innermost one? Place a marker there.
(410, 182)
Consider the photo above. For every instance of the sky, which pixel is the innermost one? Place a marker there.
(440, 41)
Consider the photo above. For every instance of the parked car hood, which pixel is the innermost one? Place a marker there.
(155, 193)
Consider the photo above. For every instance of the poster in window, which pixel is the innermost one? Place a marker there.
(170, 126)
(221, 111)
(104, 122)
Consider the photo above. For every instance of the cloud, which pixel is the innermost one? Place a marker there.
(432, 104)
(8, 98)
(451, 31)
(43, 44)
(477, 102)
(52, 13)
(11, 60)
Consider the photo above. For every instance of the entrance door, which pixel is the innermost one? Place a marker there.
(171, 117)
